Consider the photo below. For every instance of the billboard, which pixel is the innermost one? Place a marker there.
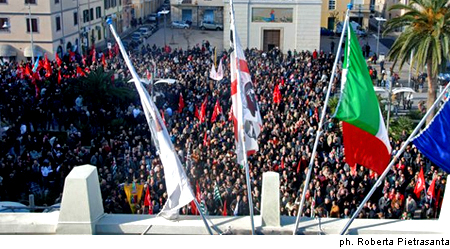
(276, 15)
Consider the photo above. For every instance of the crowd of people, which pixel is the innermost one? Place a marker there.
(33, 160)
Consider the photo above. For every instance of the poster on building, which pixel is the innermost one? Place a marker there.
(272, 15)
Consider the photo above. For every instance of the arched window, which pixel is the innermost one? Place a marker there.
(59, 51)
(69, 46)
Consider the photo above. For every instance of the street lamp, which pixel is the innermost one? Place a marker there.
(379, 19)
(164, 12)
(7, 25)
(31, 34)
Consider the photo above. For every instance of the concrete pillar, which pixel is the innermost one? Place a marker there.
(81, 205)
(270, 197)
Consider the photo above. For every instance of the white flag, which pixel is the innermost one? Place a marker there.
(216, 75)
(245, 108)
(220, 71)
(177, 184)
(213, 73)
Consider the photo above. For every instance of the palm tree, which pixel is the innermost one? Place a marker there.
(426, 34)
(98, 89)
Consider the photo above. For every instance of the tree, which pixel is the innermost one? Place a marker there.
(426, 34)
(98, 89)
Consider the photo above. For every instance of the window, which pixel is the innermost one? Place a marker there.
(99, 34)
(30, 1)
(34, 25)
(113, 3)
(331, 4)
(91, 14)
(56, 1)
(107, 4)
(4, 22)
(58, 23)
(98, 12)
(75, 18)
(85, 16)
(3, 1)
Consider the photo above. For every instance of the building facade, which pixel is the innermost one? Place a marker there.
(333, 11)
(58, 26)
(197, 11)
(266, 24)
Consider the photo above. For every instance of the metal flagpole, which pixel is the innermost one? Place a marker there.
(146, 104)
(319, 129)
(203, 216)
(386, 171)
(241, 129)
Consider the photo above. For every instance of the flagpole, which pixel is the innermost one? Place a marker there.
(386, 171)
(240, 129)
(141, 92)
(319, 129)
(203, 216)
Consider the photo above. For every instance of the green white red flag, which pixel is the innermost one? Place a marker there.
(365, 136)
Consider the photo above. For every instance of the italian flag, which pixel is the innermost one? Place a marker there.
(365, 136)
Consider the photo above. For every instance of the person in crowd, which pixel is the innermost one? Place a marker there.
(50, 132)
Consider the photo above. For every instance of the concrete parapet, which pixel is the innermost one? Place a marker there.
(81, 205)
(270, 196)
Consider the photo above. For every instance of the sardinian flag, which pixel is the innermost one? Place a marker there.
(246, 117)
(216, 75)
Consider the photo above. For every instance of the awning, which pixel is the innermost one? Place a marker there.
(166, 81)
(37, 51)
(403, 90)
(7, 51)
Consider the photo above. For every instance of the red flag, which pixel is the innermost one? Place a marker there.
(149, 75)
(420, 184)
(104, 61)
(59, 77)
(58, 60)
(276, 95)
(436, 203)
(147, 200)
(194, 210)
(198, 195)
(316, 114)
(282, 163)
(217, 110)
(110, 54)
(162, 116)
(197, 115)
(36, 88)
(224, 211)
(94, 54)
(83, 60)
(40, 64)
(205, 139)
(203, 111)
(27, 71)
(36, 76)
(71, 56)
(47, 67)
(80, 72)
(116, 49)
(430, 191)
(180, 103)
